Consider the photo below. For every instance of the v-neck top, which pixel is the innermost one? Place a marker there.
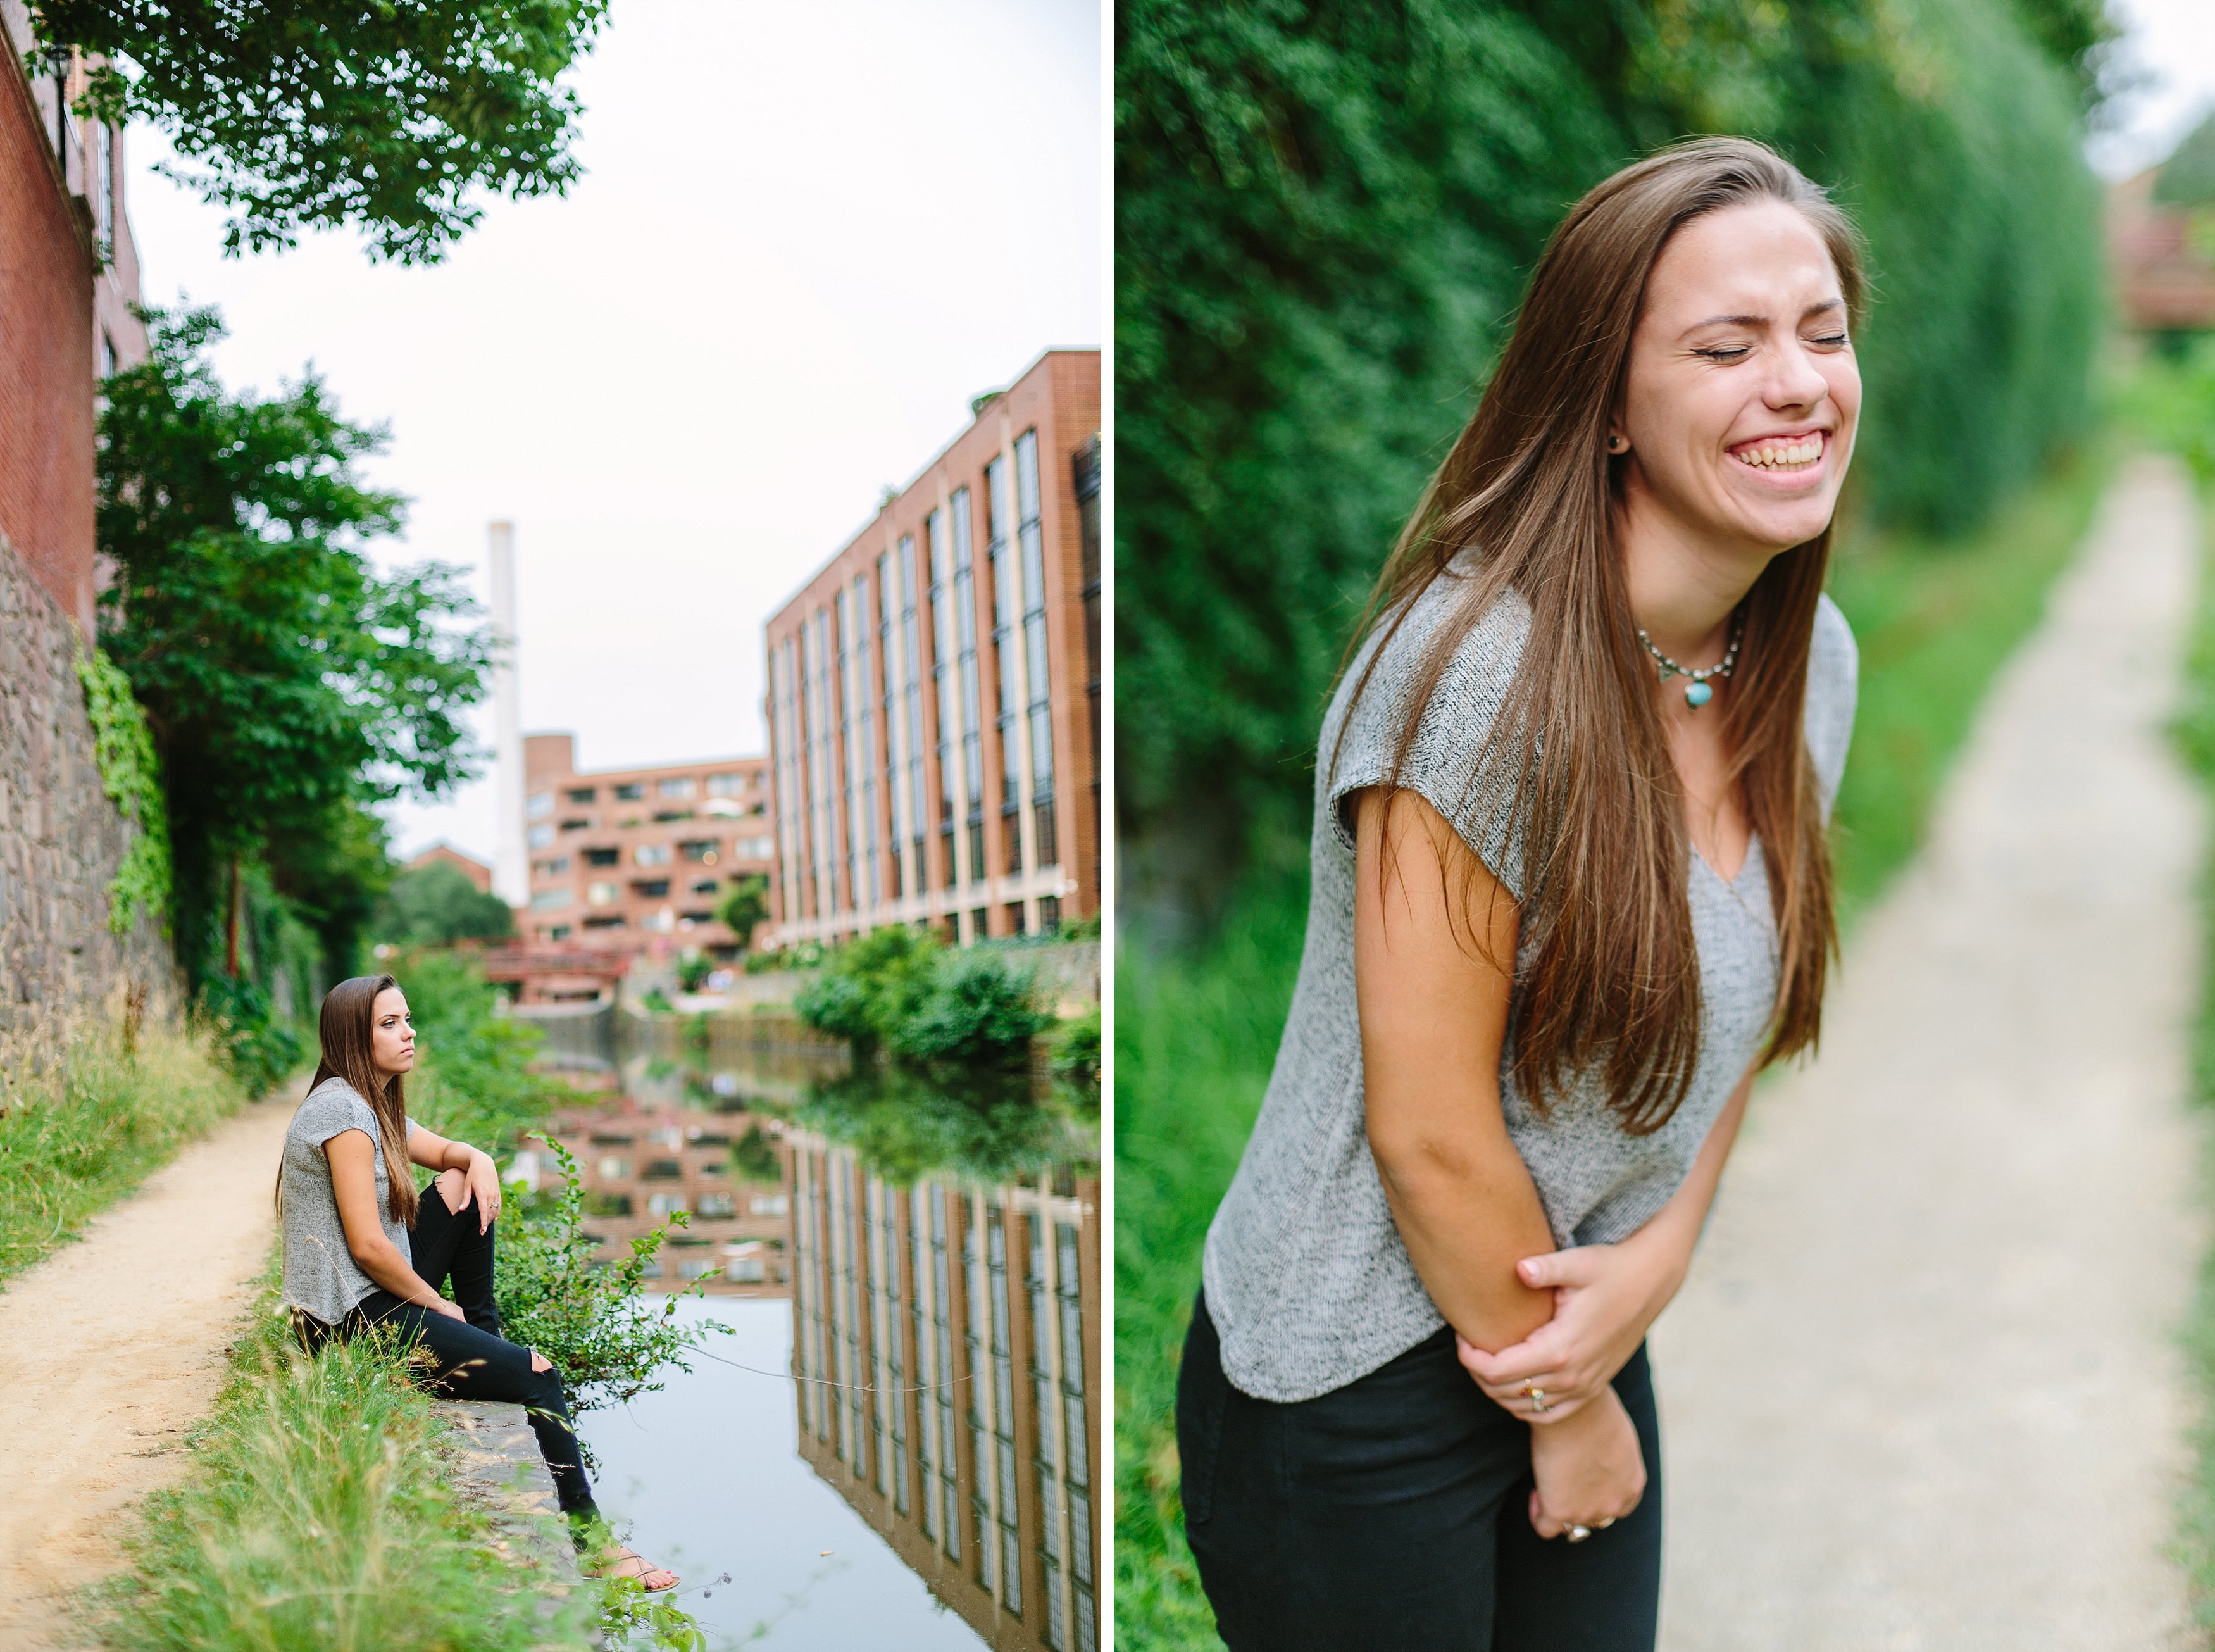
(1308, 1281)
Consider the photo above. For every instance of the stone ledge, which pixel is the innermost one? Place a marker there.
(499, 1471)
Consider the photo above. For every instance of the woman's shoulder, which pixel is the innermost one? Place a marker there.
(1392, 666)
(333, 1099)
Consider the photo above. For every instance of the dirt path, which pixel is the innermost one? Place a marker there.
(1922, 1390)
(109, 1349)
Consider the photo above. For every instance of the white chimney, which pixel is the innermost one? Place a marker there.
(510, 871)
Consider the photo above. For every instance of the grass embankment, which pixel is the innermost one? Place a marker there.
(1195, 1036)
(319, 1517)
(89, 1115)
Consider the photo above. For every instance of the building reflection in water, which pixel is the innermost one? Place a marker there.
(947, 1344)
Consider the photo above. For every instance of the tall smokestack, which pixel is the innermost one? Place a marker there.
(510, 871)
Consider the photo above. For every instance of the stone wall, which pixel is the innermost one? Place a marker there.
(60, 838)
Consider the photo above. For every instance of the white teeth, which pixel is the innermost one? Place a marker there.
(1787, 457)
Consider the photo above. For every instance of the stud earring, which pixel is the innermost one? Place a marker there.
(1618, 444)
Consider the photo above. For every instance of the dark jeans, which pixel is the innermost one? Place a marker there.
(1393, 1513)
(470, 1361)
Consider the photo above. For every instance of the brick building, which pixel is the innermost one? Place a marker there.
(69, 273)
(934, 690)
(947, 1337)
(637, 860)
(445, 854)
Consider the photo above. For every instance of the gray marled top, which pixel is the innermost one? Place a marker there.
(1307, 1279)
(320, 1273)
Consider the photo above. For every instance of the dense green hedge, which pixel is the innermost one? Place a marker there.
(1324, 215)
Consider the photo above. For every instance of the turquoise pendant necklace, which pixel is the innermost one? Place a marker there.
(1696, 691)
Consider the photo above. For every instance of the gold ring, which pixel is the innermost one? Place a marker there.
(1604, 1524)
(1538, 1398)
(1578, 1533)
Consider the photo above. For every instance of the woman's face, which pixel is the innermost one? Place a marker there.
(391, 1035)
(1742, 394)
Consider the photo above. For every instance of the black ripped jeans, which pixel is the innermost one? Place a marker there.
(1393, 1512)
(470, 1361)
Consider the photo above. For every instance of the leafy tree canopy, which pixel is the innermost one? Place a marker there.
(287, 682)
(746, 908)
(298, 114)
(436, 905)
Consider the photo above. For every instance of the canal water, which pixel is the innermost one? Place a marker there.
(894, 1442)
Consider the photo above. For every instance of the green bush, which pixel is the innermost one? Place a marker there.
(869, 987)
(979, 1009)
(594, 1322)
(260, 1049)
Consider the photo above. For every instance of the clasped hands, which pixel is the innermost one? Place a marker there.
(1584, 1453)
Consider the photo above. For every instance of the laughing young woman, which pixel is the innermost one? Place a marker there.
(362, 1248)
(1571, 892)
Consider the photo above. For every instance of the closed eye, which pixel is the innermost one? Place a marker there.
(1724, 352)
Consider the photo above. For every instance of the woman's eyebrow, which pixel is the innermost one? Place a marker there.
(1763, 321)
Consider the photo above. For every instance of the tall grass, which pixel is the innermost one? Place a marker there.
(88, 1112)
(319, 1516)
(1196, 1033)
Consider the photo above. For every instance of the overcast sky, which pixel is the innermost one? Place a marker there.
(2168, 53)
(806, 234)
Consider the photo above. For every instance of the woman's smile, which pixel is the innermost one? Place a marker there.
(1795, 456)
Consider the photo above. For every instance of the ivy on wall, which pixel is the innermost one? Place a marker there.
(123, 747)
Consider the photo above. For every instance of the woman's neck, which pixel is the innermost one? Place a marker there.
(1682, 586)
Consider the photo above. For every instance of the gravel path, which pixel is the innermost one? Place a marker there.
(112, 1347)
(1922, 1391)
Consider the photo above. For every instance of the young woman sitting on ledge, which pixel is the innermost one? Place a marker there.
(362, 1248)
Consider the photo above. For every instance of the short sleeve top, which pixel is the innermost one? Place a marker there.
(321, 1276)
(1307, 1281)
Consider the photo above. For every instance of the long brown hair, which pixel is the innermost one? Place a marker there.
(1577, 754)
(348, 1029)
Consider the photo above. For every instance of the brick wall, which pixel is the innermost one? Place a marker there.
(46, 356)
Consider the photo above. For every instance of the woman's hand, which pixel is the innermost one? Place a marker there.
(1605, 1295)
(451, 1310)
(484, 1180)
(1589, 1472)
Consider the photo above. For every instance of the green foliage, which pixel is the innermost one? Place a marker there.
(980, 1009)
(1324, 216)
(1076, 1051)
(754, 1158)
(435, 905)
(286, 681)
(257, 1045)
(903, 993)
(593, 1322)
(869, 987)
(83, 1123)
(908, 1124)
(131, 776)
(745, 908)
(316, 114)
(693, 970)
(1195, 1037)
(318, 1512)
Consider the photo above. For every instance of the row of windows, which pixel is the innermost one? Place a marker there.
(876, 1281)
(677, 787)
(859, 663)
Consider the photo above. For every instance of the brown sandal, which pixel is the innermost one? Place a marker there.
(628, 1563)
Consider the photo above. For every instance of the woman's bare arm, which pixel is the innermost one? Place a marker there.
(1434, 957)
(353, 1184)
(479, 1175)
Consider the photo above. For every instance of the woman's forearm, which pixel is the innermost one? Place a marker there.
(1466, 1212)
(390, 1271)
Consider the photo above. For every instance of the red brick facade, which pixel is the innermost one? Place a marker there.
(69, 276)
(46, 359)
(934, 688)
